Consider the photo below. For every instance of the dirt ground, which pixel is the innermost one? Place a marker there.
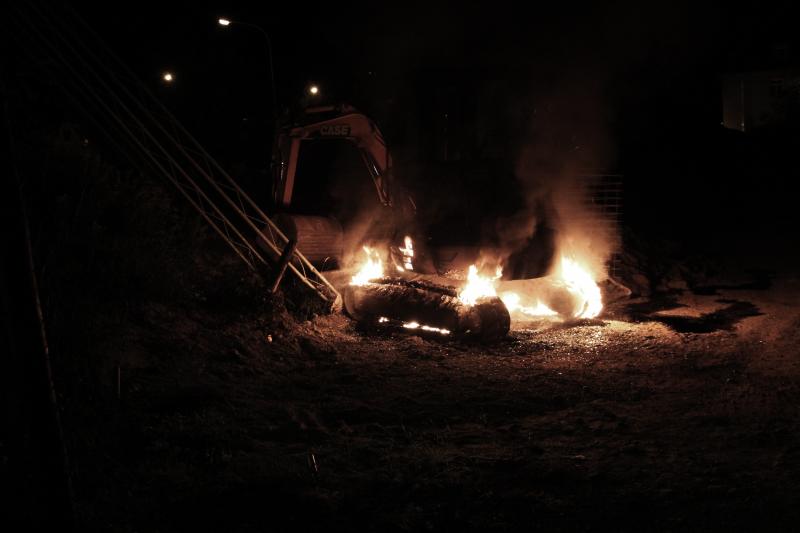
(676, 412)
(191, 401)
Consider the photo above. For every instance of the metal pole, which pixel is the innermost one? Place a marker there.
(66, 488)
(283, 262)
(271, 62)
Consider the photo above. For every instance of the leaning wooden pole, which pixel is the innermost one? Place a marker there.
(283, 262)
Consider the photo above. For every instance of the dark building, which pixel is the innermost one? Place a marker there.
(761, 99)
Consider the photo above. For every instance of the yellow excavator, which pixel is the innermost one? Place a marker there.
(320, 236)
(341, 223)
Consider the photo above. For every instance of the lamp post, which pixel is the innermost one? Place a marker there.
(227, 22)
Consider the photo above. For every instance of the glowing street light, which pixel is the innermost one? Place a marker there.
(224, 22)
(313, 90)
(168, 77)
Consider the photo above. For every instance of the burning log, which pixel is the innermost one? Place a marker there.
(435, 306)
(551, 295)
(554, 294)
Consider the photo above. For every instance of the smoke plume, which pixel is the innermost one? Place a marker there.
(567, 144)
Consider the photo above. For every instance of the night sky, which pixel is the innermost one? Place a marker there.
(626, 88)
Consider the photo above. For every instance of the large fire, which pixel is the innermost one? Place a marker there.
(479, 286)
(569, 276)
(574, 278)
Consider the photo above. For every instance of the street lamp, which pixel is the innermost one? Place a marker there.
(168, 77)
(313, 90)
(227, 22)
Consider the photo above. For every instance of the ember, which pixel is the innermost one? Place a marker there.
(415, 325)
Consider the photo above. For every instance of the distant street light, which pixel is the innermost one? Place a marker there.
(227, 22)
(168, 77)
(313, 90)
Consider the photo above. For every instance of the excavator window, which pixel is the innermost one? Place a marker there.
(332, 180)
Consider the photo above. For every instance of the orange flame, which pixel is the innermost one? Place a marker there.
(478, 286)
(581, 284)
(372, 268)
(512, 302)
(577, 280)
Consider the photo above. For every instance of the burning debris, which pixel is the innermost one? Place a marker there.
(417, 304)
(570, 292)
(476, 309)
(428, 307)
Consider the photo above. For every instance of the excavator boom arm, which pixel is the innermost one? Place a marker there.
(347, 124)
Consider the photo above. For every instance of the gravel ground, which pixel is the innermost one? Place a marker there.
(676, 412)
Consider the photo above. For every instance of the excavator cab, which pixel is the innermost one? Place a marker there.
(341, 218)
